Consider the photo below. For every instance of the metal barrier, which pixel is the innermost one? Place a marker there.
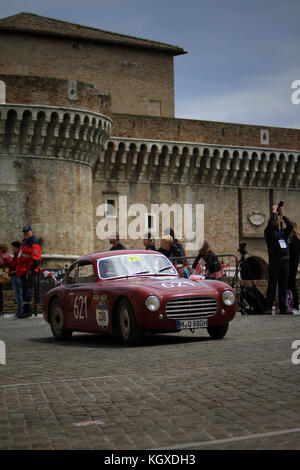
(229, 263)
(45, 281)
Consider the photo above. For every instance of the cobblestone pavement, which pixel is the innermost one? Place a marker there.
(176, 391)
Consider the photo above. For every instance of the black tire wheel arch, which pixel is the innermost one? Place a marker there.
(131, 333)
(56, 320)
(218, 331)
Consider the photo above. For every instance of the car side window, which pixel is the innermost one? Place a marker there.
(71, 275)
(86, 274)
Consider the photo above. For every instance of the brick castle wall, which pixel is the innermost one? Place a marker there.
(10, 304)
(135, 78)
(189, 130)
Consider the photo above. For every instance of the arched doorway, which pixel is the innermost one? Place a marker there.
(255, 268)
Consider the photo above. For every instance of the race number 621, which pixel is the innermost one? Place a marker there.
(80, 307)
(296, 353)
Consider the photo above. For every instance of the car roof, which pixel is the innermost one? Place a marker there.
(105, 254)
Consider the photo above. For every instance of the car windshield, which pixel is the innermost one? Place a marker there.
(131, 265)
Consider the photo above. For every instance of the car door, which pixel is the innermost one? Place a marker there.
(68, 296)
(80, 297)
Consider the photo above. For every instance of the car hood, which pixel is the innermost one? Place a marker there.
(165, 285)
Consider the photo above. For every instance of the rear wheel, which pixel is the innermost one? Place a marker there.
(131, 333)
(218, 331)
(56, 319)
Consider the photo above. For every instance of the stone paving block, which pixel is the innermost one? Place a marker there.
(172, 393)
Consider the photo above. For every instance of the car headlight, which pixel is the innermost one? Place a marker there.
(228, 298)
(152, 303)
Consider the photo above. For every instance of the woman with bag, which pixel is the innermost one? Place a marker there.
(213, 268)
(16, 281)
(294, 246)
(3, 273)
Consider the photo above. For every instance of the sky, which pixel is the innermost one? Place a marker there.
(243, 55)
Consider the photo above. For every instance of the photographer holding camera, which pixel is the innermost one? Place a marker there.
(278, 250)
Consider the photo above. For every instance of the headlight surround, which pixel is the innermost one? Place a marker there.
(228, 298)
(152, 303)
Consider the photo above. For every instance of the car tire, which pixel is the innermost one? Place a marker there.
(56, 320)
(218, 331)
(130, 332)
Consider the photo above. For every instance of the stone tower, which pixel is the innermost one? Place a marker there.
(47, 158)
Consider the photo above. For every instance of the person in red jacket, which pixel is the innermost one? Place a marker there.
(28, 267)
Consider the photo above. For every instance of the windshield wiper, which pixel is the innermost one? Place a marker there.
(136, 274)
(164, 269)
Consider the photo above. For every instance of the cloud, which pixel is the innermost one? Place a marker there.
(261, 100)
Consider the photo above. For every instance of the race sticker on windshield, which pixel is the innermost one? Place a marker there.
(133, 258)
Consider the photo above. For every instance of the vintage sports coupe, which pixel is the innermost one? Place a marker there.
(130, 293)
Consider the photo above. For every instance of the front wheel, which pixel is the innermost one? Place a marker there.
(56, 320)
(218, 331)
(131, 333)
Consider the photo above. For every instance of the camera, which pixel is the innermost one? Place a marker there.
(242, 249)
(279, 206)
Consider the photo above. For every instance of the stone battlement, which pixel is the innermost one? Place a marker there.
(196, 163)
(24, 89)
(50, 131)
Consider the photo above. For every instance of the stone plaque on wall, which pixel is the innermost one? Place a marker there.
(255, 212)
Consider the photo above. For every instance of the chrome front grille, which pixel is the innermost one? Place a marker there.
(191, 308)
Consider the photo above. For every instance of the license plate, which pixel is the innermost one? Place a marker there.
(191, 324)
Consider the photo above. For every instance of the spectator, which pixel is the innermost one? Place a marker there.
(3, 270)
(27, 267)
(278, 251)
(168, 248)
(114, 240)
(177, 242)
(294, 247)
(213, 268)
(149, 242)
(181, 263)
(16, 281)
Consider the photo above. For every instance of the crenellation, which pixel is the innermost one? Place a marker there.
(142, 163)
(174, 162)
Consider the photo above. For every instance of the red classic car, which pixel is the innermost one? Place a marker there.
(134, 292)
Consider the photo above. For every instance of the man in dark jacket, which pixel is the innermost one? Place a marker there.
(294, 247)
(149, 242)
(114, 240)
(278, 250)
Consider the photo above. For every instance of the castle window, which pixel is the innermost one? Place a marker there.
(2, 92)
(111, 208)
(154, 108)
(150, 221)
